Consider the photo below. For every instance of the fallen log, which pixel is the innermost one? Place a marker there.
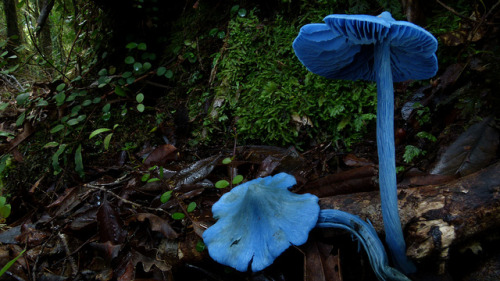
(437, 217)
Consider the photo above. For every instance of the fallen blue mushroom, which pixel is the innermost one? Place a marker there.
(381, 49)
(261, 218)
(258, 220)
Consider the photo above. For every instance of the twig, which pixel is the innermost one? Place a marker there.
(74, 267)
(137, 205)
(213, 72)
(71, 49)
(454, 12)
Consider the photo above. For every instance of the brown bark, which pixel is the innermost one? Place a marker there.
(10, 11)
(435, 218)
(44, 25)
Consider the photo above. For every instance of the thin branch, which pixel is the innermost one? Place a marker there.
(136, 205)
(454, 12)
(40, 52)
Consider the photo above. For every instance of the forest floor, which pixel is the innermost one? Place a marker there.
(139, 212)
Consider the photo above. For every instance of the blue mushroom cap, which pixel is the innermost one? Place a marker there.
(343, 47)
(258, 220)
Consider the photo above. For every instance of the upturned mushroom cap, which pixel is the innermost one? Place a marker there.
(343, 47)
(258, 220)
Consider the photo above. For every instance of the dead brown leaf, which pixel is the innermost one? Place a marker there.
(157, 224)
(161, 155)
(110, 224)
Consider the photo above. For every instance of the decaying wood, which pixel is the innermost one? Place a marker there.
(437, 217)
(355, 180)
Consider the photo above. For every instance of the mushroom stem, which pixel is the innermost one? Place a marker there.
(367, 236)
(386, 155)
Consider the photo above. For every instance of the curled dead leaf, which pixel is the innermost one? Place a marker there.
(157, 224)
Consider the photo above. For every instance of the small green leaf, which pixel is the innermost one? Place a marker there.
(191, 207)
(137, 66)
(106, 108)
(57, 128)
(22, 98)
(96, 100)
(213, 31)
(146, 66)
(142, 46)
(60, 98)
(153, 179)
(131, 45)
(51, 144)
(411, 152)
(86, 102)
(234, 9)
(425, 135)
(200, 246)
(55, 159)
(5, 211)
(103, 72)
(107, 140)
(6, 134)
(169, 74)
(20, 119)
(3, 200)
(127, 74)
(165, 197)
(226, 160)
(106, 116)
(222, 184)
(161, 70)
(82, 117)
(178, 216)
(42, 102)
(130, 80)
(72, 97)
(119, 91)
(4, 105)
(79, 162)
(139, 98)
(145, 177)
(237, 179)
(60, 87)
(10, 263)
(129, 60)
(140, 107)
(98, 131)
(75, 109)
(72, 121)
(242, 13)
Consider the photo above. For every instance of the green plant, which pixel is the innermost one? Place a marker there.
(235, 180)
(10, 263)
(411, 152)
(4, 209)
(107, 138)
(425, 135)
(423, 113)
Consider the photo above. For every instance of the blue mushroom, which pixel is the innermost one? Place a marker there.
(381, 49)
(367, 236)
(258, 220)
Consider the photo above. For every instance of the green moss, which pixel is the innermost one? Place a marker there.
(268, 95)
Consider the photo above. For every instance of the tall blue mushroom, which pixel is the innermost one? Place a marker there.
(381, 49)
